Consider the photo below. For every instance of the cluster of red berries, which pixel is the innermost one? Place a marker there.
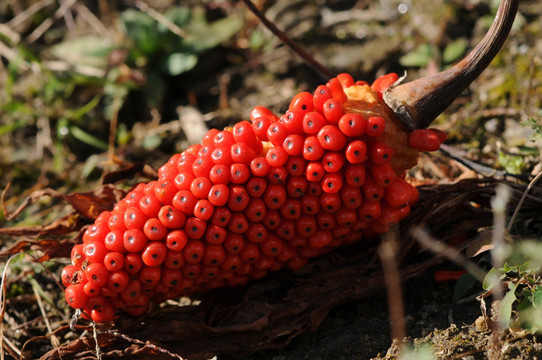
(263, 195)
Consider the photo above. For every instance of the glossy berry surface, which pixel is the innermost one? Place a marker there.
(266, 194)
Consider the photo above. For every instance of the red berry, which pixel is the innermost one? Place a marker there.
(256, 210)
(259, 166)
(150, 275)
(174, 260)
(238, 199)
(398, 193)
(95, 232)
(95, 251)
(371, 191)
(134, 240)
(213, 255)
(320, 96)
(293, 145)
(150, 205)
(185, 201)
(383, 82)
(320, 239)
(193, 251)
(375, 126)
(314, 171)
(333, 110)
(293, 121)
(326, 221)
(276, 156)
(351, 197)
(176, 240)
(276, 133)
(274, 196)
(337, 90)
(260, 111)
(239, 173)
(75, 296)
(291, 209)
(332, 183)
(218, 194)
(380, 152)
(277, 175)
(310, 205)
(154, 229)
(256, 232)
(330, 202)
(97, 274)
(195, 227)
(354, 175)
(331, 138)
(302, 102)
(164, 191)
(132, 263)
(272, 246)
(200, 187)
(306, 225)
(221, 217)
(215, 234)
(134, 218)
(243, 133)
(117, 281)
(382, 174)
(369, 210)
(114, 261)
(219, 174)
(424, 140)
(356, 152)
(296, 186)
(238, 223)
(260, 126)
(345, 79)
(312, 149)
(171, 217)
(204, 209)
(256, 186)
(333, 162)
(295, 166)
(224, 139)
(234, 243)
(313, 122)
(221, 156)
(352, 125)
(202, 166)
(242, 153)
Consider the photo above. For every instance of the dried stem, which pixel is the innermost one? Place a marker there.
(387, 252)
(286, 40)
(418, 103)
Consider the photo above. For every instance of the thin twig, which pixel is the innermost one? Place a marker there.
(147, 344)
(322, 70)
(141, 5)
(522, 200)
(47, 23)
(447, 251)
(387, 252)
(54, 339)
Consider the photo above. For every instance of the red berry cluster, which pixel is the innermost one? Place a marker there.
(263, 195)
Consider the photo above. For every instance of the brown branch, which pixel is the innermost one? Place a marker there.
(322, 70)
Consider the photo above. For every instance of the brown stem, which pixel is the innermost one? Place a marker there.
(418, 103)
(285, 39)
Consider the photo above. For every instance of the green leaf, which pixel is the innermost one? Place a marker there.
(87, 138)
(454, 50)
(203, 35)
(84, 50)
(505, 308)
(178, 63)
(465, 282)
(420, 57)
(537, 297)
(513, 164)
(142, 30)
